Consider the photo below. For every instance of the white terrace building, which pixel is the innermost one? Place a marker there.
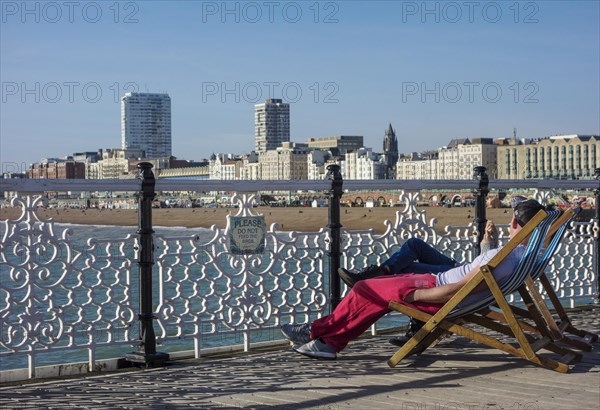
(114, 164)
(318, 161)
(250, 168)
(224, 167)
(455, 161)
(290, 161)
(418, 166)
(364, 164)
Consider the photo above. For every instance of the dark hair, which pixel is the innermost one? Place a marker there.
(526, 210)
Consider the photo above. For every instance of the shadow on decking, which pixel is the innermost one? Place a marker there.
(456, 374)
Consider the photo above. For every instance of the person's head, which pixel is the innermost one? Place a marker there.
(523, 211)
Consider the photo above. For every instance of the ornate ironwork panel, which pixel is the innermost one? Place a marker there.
(57, 296)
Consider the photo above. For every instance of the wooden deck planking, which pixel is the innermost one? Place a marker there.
(456, 374)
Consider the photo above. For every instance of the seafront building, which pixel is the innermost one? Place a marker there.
(146, 123)
(458, 159)
(161, 164)
(87, 157)
(454, 161)
(69, 166)
(290, 161)
(114, 164)
(319, 160)
(424, 165)
(557, 157)
(341, 143)
(271, 124)
(56, 168)
(191, 172)
(224, 167)
(250, 168)
(364, 164)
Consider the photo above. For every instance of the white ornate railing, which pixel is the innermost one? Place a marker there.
(58, 295)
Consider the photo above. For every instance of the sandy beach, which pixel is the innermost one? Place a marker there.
(289, 219)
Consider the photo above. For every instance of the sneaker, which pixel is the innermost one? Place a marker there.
(401, 340)
(297, 334)
(350, 278)
(317, 349)
(413, 327)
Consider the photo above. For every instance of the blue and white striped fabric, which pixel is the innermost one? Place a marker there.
(552, 247)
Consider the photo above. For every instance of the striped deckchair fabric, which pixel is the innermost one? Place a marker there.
(455, 312)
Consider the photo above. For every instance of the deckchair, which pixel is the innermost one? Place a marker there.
(454, 312)
(536, 308)
(545, 332)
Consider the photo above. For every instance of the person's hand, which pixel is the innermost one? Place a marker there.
(490, 233)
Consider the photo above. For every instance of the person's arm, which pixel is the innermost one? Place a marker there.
(442, 294)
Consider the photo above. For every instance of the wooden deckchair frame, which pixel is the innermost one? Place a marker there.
(437, 323)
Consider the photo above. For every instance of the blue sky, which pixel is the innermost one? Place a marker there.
(435, 70)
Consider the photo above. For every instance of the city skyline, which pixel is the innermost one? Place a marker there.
(344, 68)
(158, 108)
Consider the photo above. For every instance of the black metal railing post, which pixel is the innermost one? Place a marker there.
(480, 205)
(597, 236)
(147, 354)
(334, 225)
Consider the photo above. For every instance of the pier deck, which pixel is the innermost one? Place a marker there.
(456, 374)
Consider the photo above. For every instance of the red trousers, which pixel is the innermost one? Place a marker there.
(366, 303)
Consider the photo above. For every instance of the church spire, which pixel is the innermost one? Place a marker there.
(390, 131)
(390, 149)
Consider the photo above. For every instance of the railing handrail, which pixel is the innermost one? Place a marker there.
(63, 185)
(134, 184)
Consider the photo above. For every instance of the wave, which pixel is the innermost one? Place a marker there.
(134, 227)
(91, 226)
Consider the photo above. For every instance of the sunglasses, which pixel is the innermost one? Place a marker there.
(514, 201)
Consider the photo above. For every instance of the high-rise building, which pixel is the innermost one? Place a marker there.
(271, 124)
(146, 123)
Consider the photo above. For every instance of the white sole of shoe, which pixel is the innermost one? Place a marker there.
(313, 356)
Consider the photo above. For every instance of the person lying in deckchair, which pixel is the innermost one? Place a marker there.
(368, 299)
(417, 256)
